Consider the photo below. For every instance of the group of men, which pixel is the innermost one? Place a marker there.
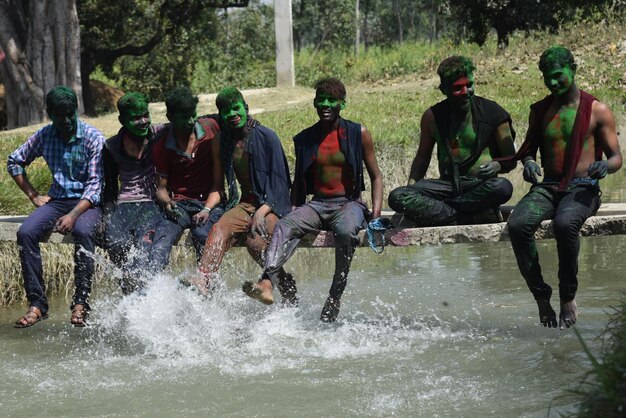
(226, 178)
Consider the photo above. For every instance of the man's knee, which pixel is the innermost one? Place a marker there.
(501, 187)
(566, 226)
(396, 197)
(518, 227)
(28, 234)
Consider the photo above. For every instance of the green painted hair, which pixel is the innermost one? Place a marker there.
(181, 100)
(452, 68)
(332, 87)
(226, 97)
(557, 55)
(61, 96)
(130, 101)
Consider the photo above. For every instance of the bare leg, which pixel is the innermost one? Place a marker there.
(547, 316)
(568, 314)
(261, 291)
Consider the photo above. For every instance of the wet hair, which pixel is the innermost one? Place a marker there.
(226, 97)
(131, 101)
(452, 68)
(557, 55)
(181, 100)
(332, 87)
(61, 97)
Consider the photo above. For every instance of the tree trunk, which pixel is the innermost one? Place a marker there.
(41, 40)
(357, 39)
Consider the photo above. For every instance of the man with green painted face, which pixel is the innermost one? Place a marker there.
(572, 130)
(471, 132)
(329, 165)
(254, 156)
(73, 151)
(190, 179)
(130, 189)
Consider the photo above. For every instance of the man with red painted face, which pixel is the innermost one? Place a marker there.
(130, 208)
(571, 130)
(329, 165)
(254, 157)
(73, 151)
(470, 132)
(190, 178)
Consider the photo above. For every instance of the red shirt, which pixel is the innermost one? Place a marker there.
(189, 176)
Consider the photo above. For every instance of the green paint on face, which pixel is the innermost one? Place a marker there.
(322, 101)
(235, 115)
(65, 121)
(137, 120)
(558, 79)
(184, 120)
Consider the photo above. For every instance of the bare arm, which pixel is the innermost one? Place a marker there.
(424, 150)
(607, 136)
(22, 182)
(65, 223)
(215, 194)
(505, 145)
(376, 177)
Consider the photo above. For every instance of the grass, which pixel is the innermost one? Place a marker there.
(388, 91)
(602, 394)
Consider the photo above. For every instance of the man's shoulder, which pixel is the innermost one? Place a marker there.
(265, 132)
(90, 132)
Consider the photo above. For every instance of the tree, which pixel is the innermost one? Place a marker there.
(41, 40)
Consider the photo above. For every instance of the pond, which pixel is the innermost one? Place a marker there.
(435, 331)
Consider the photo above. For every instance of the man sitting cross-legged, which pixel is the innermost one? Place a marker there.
(571, 129)
(470, 132)
(329, 165)
(256, 156)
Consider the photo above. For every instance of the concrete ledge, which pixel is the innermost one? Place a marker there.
(610, 220)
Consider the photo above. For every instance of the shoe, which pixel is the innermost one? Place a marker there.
(330, 311)
(79, 316)
(32, 316)
(288, 290)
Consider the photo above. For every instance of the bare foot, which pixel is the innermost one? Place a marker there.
(201, 282)
(30, 318)
(547, 316)
(568, 314)
(261, 291)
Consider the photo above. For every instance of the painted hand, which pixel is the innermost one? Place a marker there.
(488, 170)
(259, 226)
(40, 200)
(172, 211)
(65, 224)
(201, 217)
(598, 169)
(532, 171)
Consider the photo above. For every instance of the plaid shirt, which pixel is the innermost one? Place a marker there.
(76, 166)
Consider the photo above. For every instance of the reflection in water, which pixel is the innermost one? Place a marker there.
(424, 331)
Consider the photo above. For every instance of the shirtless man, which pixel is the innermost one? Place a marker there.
(470, 132)
(329, 165)
(571, 129)
(257, 160)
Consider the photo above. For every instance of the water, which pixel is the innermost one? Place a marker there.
(443, 331)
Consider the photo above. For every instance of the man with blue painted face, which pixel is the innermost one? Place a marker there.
(72, 150)
(330, 156)
(470, 133)
(572, 130)
(130, 188)
(190, 178)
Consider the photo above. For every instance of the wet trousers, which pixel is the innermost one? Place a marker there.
(568, 211)
(431, 202)
(169, 230)
(129, 233)
(233, 227)
(31, 233)
(345, 218)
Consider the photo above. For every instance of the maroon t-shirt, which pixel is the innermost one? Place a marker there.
(189, 176)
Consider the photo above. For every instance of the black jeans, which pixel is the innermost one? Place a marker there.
(433, 203)
(569, 210)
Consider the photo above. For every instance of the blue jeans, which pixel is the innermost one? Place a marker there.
(169, 230)
(31, 233)
(129, 233)
(345, 218)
